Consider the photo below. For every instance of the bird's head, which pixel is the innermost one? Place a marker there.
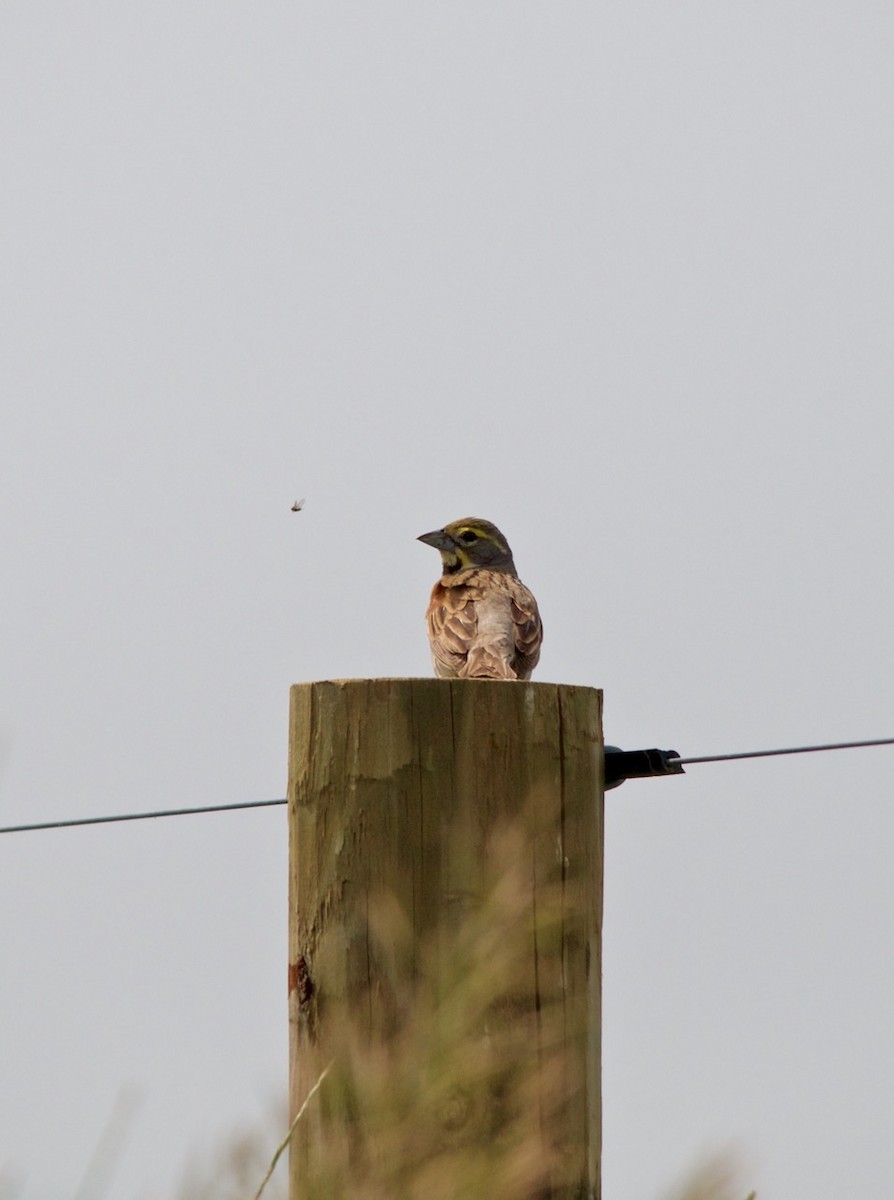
(471, 543)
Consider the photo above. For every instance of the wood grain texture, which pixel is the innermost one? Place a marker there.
(406, 789)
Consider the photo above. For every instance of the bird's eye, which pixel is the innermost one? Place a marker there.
(468, 537)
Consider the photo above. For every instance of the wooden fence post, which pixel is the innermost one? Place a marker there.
(445, 909)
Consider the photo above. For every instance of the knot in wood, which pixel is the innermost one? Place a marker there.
(300, 981)
(457, 1110)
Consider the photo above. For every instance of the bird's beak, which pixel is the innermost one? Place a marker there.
(438, 538)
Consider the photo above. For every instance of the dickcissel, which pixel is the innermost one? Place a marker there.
(483, 623)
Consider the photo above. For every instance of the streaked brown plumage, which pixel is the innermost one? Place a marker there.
(483, 623)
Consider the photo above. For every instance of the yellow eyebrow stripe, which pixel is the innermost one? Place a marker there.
(481, 533)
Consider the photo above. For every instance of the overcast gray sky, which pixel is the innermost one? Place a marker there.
(615, 276)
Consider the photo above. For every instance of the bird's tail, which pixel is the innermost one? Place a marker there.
(487, 662)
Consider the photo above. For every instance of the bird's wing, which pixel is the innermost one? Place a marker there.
(452, 626)
(528, 629)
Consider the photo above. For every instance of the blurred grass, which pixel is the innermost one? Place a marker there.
(462, 1084)
(716, 1178)
(243, 1160)
(236, 1170)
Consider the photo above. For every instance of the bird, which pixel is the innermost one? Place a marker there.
(483, 623)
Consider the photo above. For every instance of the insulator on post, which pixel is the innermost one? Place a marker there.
(638, 764)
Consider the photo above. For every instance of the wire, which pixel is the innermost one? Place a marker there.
(141, 816)
(213, 808)
(790, 750)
